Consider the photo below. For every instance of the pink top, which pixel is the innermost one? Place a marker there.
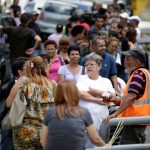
(53, 70)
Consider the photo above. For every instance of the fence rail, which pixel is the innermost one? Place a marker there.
(124, 147)
(127, 121)
(130, 120)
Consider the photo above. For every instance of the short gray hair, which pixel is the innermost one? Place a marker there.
(94, 57)
(96, 39)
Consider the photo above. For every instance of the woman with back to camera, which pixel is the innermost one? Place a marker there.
(72, 70)
(39, 92)
(65, 124)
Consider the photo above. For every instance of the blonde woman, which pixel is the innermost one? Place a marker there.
(39, 92)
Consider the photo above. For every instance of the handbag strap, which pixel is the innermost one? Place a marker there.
(24, 81)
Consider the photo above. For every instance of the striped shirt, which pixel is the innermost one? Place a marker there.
(137, 84)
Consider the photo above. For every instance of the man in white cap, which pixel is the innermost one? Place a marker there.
(123, 19)
(134, 22)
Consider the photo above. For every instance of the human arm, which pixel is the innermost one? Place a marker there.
(91, 129)
(115, 99)
(88, 97)
(106, 92)
(61, 74)
(84, 88)
(94, 137)
(126, 102)
(95, 92)
(100, 93)
(105, 95)
(13, 93)
(115, 83)
(37, 42)
(136, 89)
(61, 78)
(44, 135)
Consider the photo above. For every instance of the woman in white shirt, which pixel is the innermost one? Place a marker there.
(93, 89)
(72, 70)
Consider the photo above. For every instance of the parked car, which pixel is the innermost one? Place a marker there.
(83, 6)
(54, 12)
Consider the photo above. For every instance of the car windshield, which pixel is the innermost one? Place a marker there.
(55, 8)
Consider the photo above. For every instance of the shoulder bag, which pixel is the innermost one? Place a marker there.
(14, 117)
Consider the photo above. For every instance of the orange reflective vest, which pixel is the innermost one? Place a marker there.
(141, 106)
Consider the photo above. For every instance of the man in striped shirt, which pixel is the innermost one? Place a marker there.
(134, 102)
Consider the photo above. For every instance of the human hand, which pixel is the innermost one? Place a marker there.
(100, 101)
(29, 51)
(108, 118)
(106, 97)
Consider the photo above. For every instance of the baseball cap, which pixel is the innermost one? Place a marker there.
(124, 15)
(138, 54)
(121, 2)
(136, 18)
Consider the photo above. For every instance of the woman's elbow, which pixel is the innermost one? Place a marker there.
(98, 142)
(8, 103)
(42, 143)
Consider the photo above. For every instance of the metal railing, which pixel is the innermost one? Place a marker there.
(124, 147)
(130, 120)
(127, 121)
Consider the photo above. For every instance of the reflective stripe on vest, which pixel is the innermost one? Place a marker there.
(142, 102)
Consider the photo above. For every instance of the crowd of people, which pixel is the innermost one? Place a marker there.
(90, 64)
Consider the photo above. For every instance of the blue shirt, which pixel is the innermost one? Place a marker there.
(94, 30)
(73, 42)
(108, 66)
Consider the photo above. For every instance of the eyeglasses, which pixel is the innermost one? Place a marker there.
(90, 65)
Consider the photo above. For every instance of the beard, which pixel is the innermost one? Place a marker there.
(130, 69)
